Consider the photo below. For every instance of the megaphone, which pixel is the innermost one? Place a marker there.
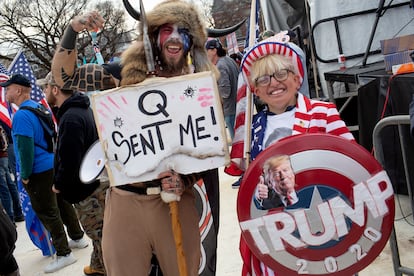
(93, 163)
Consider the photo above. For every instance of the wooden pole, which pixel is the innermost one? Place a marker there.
(249, 96)
(178, 238)
(172, 200)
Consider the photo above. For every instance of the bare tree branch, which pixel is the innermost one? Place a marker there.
(205, 8)
(36, 26)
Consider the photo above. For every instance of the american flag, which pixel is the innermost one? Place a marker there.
(4, 110)
(237, 153)
(37, 233)
(256, 27)
(251, 264)
(237, 149)
(20, 65)
(232, 46)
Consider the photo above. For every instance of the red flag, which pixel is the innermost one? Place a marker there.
(251, 265)
(237, 148)
(4, 107)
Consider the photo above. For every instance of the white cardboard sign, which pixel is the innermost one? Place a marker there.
(161, 124)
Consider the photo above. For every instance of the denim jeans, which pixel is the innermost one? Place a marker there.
(9, 194)
(229, 119)
(12, 160)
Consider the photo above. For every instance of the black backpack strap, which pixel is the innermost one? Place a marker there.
(46, 120)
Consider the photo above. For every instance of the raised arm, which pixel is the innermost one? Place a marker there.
(88, 77)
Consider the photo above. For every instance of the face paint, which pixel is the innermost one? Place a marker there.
(186, 38)
(167, 32)
(171, 31)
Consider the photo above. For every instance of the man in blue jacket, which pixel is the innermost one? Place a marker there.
(36, 167)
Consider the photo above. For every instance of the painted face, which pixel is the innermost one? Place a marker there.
(174, 44)
(171, 32)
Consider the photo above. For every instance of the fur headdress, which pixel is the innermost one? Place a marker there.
(185, 15)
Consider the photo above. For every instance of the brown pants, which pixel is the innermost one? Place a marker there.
(136, 226)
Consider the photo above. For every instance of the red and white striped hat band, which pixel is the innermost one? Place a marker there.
(270, 47)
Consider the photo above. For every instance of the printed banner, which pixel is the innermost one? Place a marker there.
(232, 46)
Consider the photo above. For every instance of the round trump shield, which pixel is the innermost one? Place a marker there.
(342, 216)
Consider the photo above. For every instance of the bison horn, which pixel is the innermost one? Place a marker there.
(211, 32)
(226, 31)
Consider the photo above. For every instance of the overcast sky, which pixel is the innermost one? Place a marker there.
(148, 5)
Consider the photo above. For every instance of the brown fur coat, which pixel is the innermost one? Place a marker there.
(185, 15)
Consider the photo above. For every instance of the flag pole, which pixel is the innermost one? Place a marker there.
(47, 237)
(313, 58)
(249, 96)
(14, 60)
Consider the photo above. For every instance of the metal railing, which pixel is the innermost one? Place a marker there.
(396, 120)
(336, 21)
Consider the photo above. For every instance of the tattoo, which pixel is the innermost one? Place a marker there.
(69, 38)
(90, 77)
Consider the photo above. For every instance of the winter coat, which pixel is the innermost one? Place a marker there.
(77, 132)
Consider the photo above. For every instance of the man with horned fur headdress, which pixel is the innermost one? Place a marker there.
(136, 224)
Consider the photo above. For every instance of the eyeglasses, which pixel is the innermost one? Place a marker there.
(280, 76)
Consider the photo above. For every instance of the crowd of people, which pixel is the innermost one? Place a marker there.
(130, 227)
(9, 195)
(227, 83)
